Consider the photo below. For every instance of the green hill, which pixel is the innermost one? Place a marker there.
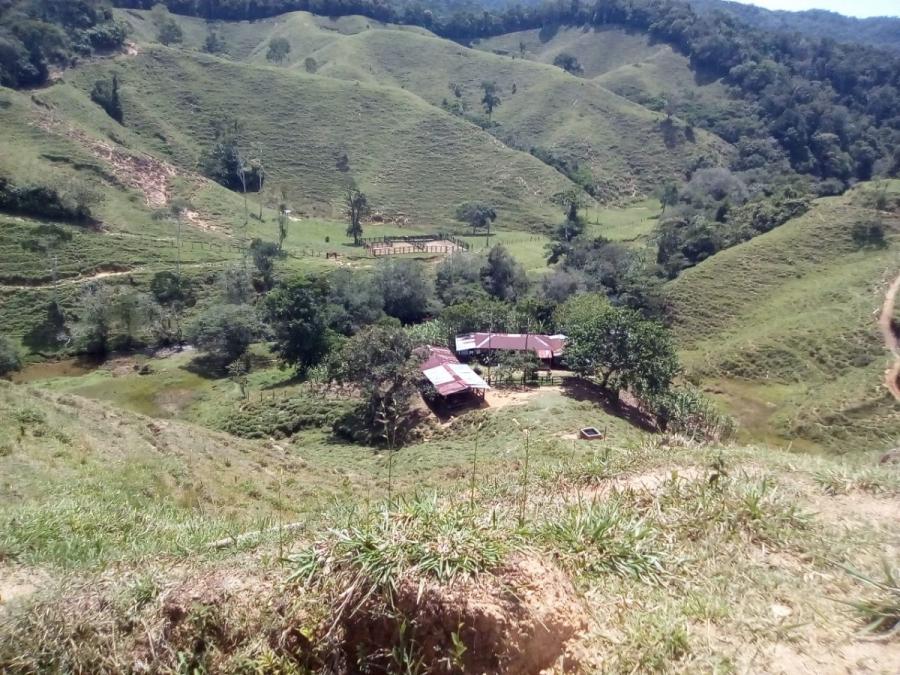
(627, 63)
(783, 326)
(624, 147)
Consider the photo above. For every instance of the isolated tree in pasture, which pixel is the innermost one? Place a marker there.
(106, 94)
(167, 29)
(622, 350)
(502, 276)
(10, 360)
(296, 312)
(490, 98)
(213, 43)
(570, 201)
(283, 217)
(310, 65)
(279, 48)
(568, 62)
(477, 215)
(357, 205)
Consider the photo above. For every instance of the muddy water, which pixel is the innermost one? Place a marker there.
(51, 369)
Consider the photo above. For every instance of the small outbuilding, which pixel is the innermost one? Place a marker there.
(450, 377)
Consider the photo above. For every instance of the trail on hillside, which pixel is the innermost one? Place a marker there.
(94, 276)
(891, 338)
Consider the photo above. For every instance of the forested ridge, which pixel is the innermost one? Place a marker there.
(37, 33)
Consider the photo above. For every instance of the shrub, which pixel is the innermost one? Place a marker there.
(686, 412)
(10, 361)
(284, 417)
(868, 234)
(106, 94)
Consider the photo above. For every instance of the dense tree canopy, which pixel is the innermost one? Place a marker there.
(295, 311)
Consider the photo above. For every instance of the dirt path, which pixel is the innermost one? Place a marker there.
(891, 338)
(103, 274)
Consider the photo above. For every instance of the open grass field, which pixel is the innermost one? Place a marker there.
(795, 309)
(703, 542)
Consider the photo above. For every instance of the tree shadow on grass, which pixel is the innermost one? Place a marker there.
(207, 366)
(584, 390)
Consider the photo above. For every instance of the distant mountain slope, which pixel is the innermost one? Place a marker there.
(788, 317)
(882, 31)
(628, 63)
(628, 150)
(316, 134)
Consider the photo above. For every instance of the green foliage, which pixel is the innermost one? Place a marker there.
(380, 362)
(606, 537)
(568, 62)
(490, 98)
(881, 613)
(357, 205)
(868, 234)
(170, 289)
(502, 276)
(111, 318)
(423, 538)
(224, 162)
(713, 214)
(406, 290)
(477, 215)
(223, 332)
(296, 313)
(106, 94)
(281, 417)
(168, 31)
(10, 361)
(36, 33)
(264, 254)
(354, 301)
(623, 350)
(279, 48)
(71, 203)
(686, 412)
(458, 278)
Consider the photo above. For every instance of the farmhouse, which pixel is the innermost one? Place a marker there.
(547, 347)
(450, 377)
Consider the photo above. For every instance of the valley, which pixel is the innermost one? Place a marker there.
(230, 237)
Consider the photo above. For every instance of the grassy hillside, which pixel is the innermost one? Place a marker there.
(622, 145)
(318, 133)
(629, 64)
(108, 563)
(790, 316)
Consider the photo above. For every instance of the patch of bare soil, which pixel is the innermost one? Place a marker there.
(857, 509)
(17, 583)
(501, 398)
(824, 656)
(198, 221)
(516, 620)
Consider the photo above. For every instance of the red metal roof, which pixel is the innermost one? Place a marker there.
(447, 374)
(545, 346)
